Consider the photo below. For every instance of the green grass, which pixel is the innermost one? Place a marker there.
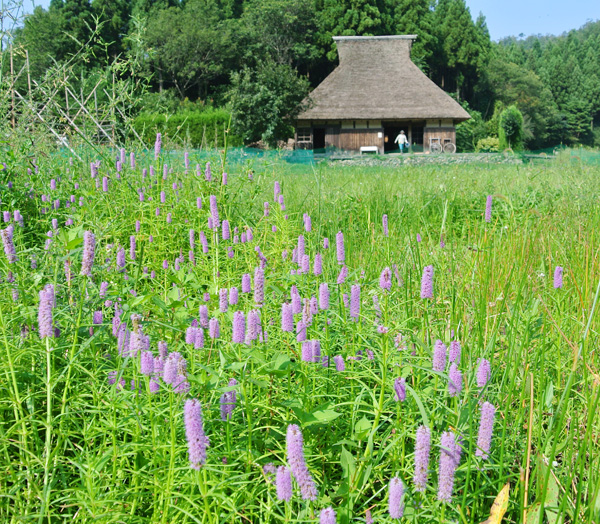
(75, 448)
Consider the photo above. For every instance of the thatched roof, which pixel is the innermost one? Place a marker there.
(376, 79)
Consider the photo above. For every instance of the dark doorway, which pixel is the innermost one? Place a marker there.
(390, 134)
(417, 135)
(319, 138)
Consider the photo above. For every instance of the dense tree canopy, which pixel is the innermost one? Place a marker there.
(219, 49)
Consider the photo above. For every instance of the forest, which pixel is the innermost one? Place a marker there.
(256, 60)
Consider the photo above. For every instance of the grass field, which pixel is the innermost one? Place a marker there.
(121, 400)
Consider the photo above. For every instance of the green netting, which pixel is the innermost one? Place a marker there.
(246, 156)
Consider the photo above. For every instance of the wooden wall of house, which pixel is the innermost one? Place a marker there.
(443, 133)
(354, 139)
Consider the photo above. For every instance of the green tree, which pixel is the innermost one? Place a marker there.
(416, 17)
(114, 17)
(283, 31)
(513, 84)
(510, 128)
(462, 47)
(188, 47)
(265, 101)
(353, 18)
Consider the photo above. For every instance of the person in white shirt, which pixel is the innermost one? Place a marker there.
(402, 141)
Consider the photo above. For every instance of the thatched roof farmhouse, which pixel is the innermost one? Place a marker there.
(375, 92)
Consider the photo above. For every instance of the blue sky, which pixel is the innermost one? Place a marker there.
(512, 17)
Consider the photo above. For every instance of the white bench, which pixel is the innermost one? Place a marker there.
(369, 149)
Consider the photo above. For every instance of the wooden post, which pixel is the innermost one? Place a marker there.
(66, 95)
(28, 72)
(12, 88)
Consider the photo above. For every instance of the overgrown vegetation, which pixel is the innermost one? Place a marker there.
(104, 344)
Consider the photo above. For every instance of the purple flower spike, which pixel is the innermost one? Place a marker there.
(147, 363)
(384, 220)
(439, 356)
(450, 453)
(318, 265)
(233, 296)
(339, 363)
(488, 208)
(223, 302)
(483, 372)
(214, 211)
(213, 328)
(45, 307)
(454, 352)
(239, 327)
(454, 381)
(558, 277)
(305, 264)
(89, 249)
(355, 301)
(327, 516)
(385, 280)
(307, 223)
(283, 482)
(396, 495)
(301, 248)
(306, 354)
(246, 283)
(287, 318)
(422, 449)
(343, 275)
(486, 426)
(9, 246)
(324, 296)
(300, 331)
(259, 286)
(132, 247)
(400, 389)
(295, 458)
(340, 250)
(157, 146)
(194, 432)
(226, 230)
(427, 282)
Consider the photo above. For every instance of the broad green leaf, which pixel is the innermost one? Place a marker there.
(362, 428)
(348, 463)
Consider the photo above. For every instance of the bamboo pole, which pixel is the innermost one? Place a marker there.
(12, 88)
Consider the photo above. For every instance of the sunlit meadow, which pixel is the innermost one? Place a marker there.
(255, 341)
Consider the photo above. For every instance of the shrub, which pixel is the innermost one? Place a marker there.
(266, 101)
(510, 129)
(490, 144)
(205, 128)
(470, 132)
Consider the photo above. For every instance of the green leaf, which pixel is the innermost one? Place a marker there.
(140, 300)
(549, 394)
(533, 513)
(362, 428)
(419, 405)
(281, 365)
(348, 463)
